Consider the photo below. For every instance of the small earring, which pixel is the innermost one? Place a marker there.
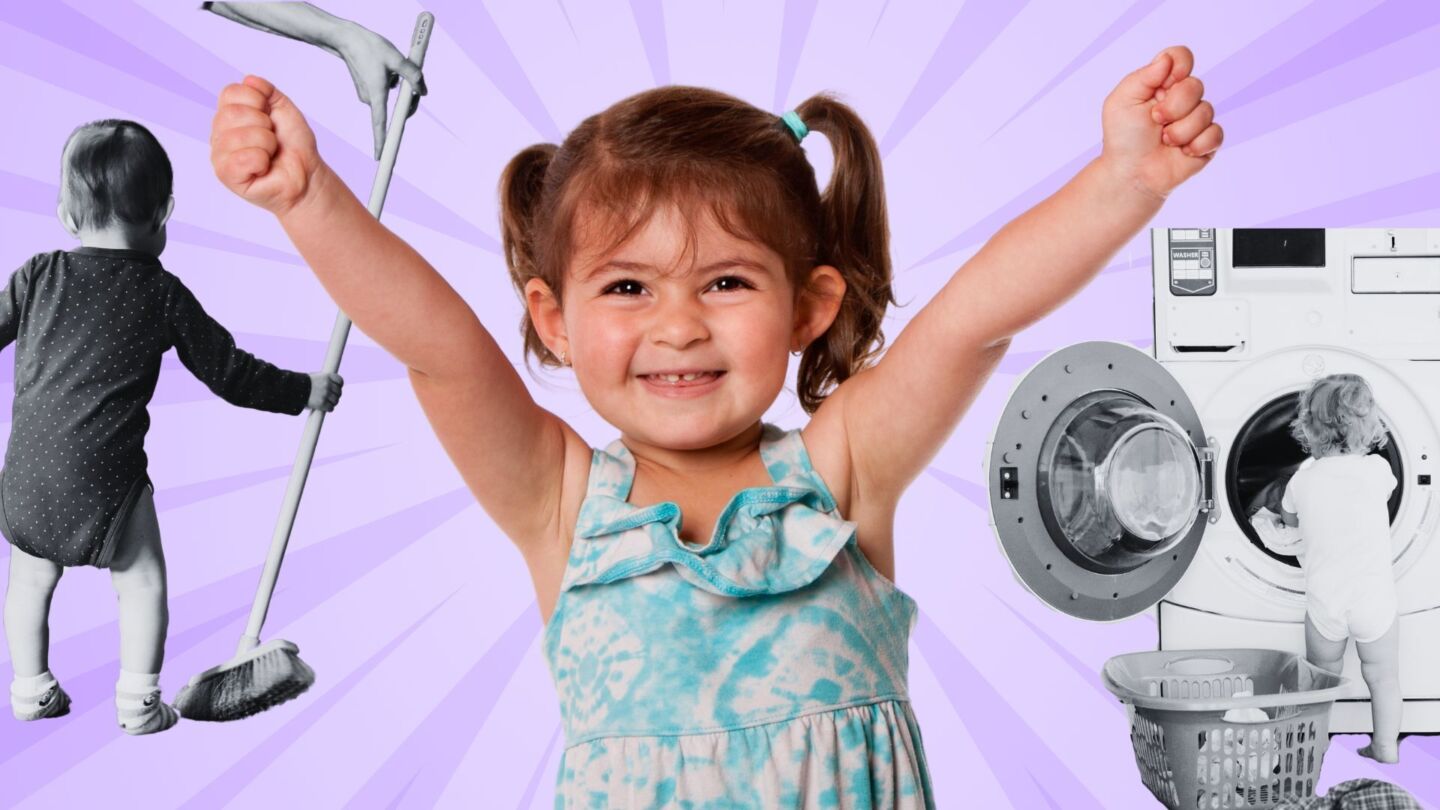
(563, 360)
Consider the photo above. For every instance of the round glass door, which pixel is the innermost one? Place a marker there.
(1120, 482)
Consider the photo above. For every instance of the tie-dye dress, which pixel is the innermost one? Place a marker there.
(766, 668)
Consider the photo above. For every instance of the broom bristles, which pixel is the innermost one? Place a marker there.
(246, 688)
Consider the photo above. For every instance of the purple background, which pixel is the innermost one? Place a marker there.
(415, 611)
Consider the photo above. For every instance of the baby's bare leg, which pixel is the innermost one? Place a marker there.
(1324, 653)
(27, 611)
(138, 574)
(1380, 665)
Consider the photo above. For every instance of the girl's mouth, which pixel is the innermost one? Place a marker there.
(686, 384)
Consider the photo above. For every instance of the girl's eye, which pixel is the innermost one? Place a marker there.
(624, 287)
(734, 283)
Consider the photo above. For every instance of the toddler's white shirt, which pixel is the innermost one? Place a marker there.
(1341, 501)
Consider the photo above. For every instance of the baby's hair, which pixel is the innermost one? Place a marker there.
(709, 153)
(1338, 415)
(116, 170)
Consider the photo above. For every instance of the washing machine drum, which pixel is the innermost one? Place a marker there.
(1099, 482)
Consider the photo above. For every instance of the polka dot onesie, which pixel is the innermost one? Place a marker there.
(89, 327)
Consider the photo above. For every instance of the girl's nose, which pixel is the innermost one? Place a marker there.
(678, 324)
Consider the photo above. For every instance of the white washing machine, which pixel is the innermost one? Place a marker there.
(1122, 481)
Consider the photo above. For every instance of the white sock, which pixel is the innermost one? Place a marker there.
(136, 683)
(138, 706)
(32, 686)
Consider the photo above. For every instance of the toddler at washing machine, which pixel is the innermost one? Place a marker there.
(1338, 498)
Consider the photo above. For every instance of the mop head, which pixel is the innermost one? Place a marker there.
(247, 684)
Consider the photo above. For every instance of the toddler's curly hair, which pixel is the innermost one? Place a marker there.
(1337, 415)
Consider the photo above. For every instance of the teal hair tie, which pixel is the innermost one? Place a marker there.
(796, 126)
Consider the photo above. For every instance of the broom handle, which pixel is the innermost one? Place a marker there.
(338, 335)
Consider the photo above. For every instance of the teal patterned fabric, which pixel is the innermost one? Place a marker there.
(765, 668)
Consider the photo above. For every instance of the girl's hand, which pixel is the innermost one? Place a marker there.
(261, 147)
(324, 391)
(1158, 129)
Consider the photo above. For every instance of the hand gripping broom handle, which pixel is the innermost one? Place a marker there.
(311, 438)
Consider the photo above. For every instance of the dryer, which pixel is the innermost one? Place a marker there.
(1122, 481)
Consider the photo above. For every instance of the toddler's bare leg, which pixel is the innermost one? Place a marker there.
(27, 611)
(1380, 666)
(1322, 652)
(138, 574)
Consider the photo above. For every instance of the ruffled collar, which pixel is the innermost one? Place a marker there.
(767, 540)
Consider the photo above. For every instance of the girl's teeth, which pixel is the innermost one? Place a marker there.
(678, 377)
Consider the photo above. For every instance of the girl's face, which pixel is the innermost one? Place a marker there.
(649, 312)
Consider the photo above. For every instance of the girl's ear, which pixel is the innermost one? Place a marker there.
(817, 305)
(546, 316)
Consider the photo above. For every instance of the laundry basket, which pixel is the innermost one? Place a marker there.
(1199, 746)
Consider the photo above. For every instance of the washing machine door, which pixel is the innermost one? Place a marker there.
(1100, 480)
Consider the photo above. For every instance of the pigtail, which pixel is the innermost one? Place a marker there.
(854, 238)
(522, 184)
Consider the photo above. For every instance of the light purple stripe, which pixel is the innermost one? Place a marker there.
(80, 34)
(969, 490)
(977, 24)
(1400, 62)
(1085, 672)
(533, 785)
(1401, 199)
(206, 238)
(482, 42)
(878, 19)
(1024, 760)
(173, 497)
(564, 12)
(1022, 202)
(1382, 26)
(229, 784)
(1122, 25)
(650, 22)
(422, 766)
(794, 30)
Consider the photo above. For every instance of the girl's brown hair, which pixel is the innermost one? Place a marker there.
(707, 152)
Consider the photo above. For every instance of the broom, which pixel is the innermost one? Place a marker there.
(265, 675)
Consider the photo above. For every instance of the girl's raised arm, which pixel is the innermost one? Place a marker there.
(263, 150)
(1157, 133)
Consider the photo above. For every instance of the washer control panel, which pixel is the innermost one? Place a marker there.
(1192, 261)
